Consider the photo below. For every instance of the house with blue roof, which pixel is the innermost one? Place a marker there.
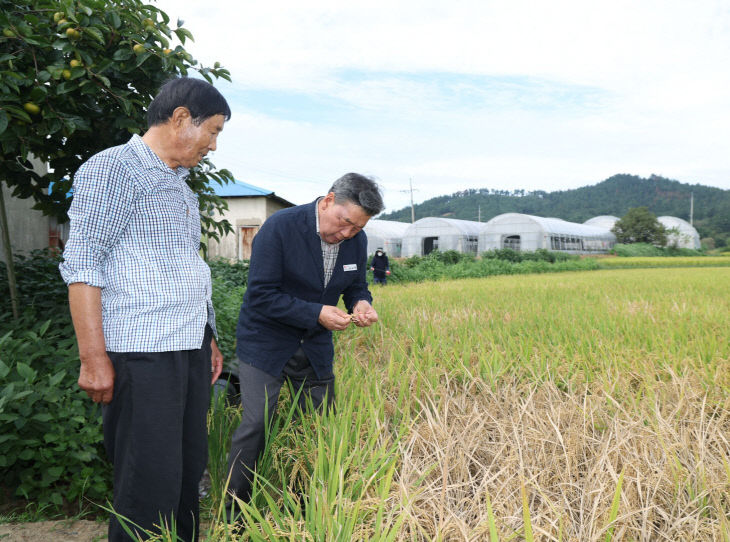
(248, 207)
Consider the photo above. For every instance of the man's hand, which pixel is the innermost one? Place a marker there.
(96, 378)
(216, 361)
(96, 375)
(364, 314)
(333, 318)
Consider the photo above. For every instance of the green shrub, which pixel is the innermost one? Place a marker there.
(41, 290)
(645, 249)
(411, 262)
(539, 255)
(498, 262)
(451, 257)
(51, 448)
(235, 274)
(506, 254)
(51, 440)
(227, 303)
(229, 285)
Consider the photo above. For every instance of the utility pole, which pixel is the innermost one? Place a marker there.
(479, 213)
(691, 207)
(413, 209)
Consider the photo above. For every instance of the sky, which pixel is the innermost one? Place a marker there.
(450, 95)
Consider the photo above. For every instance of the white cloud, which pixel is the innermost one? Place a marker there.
(520, 94)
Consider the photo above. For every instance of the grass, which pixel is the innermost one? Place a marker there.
(665, 261)
(575, 406)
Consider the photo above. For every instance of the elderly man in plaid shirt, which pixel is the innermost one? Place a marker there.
(140, 299)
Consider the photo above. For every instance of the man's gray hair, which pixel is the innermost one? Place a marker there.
(359, 190)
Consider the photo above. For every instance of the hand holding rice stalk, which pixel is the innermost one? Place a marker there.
(363, 314)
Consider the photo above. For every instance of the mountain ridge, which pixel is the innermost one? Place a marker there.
(613, 196)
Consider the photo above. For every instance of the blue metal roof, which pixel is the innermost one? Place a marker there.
(233, 189)
(239, 188)
(236, 188)
(68, 194)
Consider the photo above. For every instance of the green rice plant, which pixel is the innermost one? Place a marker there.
(493, 536)
(222, 422)
(529, 537)
(614, 508)
(664, 261)
(570, 381)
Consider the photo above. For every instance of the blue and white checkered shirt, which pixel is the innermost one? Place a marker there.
(135, 233)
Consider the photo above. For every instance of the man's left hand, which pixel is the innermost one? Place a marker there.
(216, 361)
(364, 314)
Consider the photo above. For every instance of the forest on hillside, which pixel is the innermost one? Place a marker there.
(614, 196)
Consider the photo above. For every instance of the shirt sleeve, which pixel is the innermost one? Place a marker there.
(103, 202)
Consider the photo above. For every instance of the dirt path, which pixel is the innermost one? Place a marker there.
(54, 531)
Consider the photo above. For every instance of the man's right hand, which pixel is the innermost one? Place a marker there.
(333, 318)
(96, 378)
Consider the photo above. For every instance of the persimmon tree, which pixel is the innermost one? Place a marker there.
(76, 77)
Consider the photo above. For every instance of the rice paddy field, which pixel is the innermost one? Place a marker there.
(588, 406)
(668, 261)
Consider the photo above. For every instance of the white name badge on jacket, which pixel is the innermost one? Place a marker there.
(349, 267)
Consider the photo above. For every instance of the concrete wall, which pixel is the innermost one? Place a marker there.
(28, 227)
(246, 215)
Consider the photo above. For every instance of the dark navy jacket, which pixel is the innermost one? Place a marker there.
(286, 292)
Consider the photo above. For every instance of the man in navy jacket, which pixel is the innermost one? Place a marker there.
(303, 259)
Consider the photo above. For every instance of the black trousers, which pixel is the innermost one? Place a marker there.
(257, 389)
(155, 435)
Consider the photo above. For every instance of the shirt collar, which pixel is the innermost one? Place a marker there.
(316, 214)
(149, 159)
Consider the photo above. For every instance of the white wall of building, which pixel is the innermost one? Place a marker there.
(246, 215)
(28, 228)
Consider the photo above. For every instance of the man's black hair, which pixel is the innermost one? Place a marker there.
(200, 98)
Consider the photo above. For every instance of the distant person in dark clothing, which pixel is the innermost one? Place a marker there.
(380, 266)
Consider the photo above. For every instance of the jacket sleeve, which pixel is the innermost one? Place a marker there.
(265, 294)
(358, 290)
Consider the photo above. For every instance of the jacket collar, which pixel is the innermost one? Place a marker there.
(311, 237)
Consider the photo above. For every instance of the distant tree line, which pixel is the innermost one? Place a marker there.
(614, 196)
